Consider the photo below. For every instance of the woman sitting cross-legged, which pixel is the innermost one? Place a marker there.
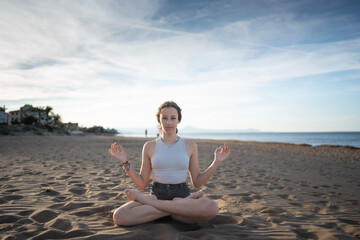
(168, 158)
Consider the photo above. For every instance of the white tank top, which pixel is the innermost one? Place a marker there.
(170, 164)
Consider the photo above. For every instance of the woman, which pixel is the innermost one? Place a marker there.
(169, 158)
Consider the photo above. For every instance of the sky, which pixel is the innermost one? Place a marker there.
(270, 65)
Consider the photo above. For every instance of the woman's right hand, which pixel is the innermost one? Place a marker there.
(115, 152)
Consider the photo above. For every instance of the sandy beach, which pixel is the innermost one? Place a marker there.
(62, 187)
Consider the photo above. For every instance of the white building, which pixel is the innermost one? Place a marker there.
(3, 116)
(71, 126)
(30, 111)
(37, 115)
(15, 117)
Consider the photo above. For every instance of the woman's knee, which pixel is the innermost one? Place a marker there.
(210, 209)
(119, 217)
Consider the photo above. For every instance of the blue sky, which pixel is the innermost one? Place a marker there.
(268, 65)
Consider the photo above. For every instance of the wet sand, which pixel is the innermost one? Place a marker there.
(59, 187)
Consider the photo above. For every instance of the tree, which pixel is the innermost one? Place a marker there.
(48, 109)
(55, 119)
(40, 110)
(29, 120)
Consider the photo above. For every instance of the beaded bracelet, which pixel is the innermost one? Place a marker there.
(126, 168)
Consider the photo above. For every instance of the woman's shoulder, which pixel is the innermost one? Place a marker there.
(149, 148)
(150, 144)
(191, 143)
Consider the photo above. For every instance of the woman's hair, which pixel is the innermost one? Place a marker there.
(165, 105)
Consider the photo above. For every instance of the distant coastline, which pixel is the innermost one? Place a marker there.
(29, 120)
(45, 130)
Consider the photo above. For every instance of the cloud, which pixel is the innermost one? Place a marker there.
(36, 64)
(103, 55)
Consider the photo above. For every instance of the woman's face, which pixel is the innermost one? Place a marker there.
(169, 120)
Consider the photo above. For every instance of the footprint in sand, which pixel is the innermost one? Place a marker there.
(78, 188)
(349, 226)
(106, 186)
(78, 233)
(8, 219)
(54, 234)
(310, 207)
(353, 202)
(48, 192)
(12, 197)
(44, 216)
(288, 197)
(98, 179)
(332, 206)
(222, 219)
(303, 233)
(106, 195)
(60, 199)
(63, 177)
(274, 219)
(92, 211)
(12, 190)
(71, 206)
(349, 221)
(25, 212)
(60, 224)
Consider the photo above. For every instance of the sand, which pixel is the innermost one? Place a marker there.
(61, 187)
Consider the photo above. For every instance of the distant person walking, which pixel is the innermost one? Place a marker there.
(146, 133)
(168, 158)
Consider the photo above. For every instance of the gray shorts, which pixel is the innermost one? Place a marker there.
(170, 191)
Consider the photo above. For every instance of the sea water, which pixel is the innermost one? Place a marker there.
(310, 138)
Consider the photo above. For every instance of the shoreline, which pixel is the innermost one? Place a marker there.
(27, 130)
(350, 139)
(196, 139)
(249, 142)
(65, 187)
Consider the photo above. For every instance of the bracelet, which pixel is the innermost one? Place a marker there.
(126, 168)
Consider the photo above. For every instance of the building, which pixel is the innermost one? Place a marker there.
(71, 126)
(15, 117)
(30, 115)
(3, 116)
(28, 111)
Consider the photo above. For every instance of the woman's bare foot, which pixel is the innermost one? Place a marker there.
(196, 195)
(131, 194)
(134, 195)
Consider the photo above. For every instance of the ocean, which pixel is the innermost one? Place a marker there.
(310, 138)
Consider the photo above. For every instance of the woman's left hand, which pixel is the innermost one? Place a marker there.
(222, 153)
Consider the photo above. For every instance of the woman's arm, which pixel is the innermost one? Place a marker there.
(140, 179)
(200, 178)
